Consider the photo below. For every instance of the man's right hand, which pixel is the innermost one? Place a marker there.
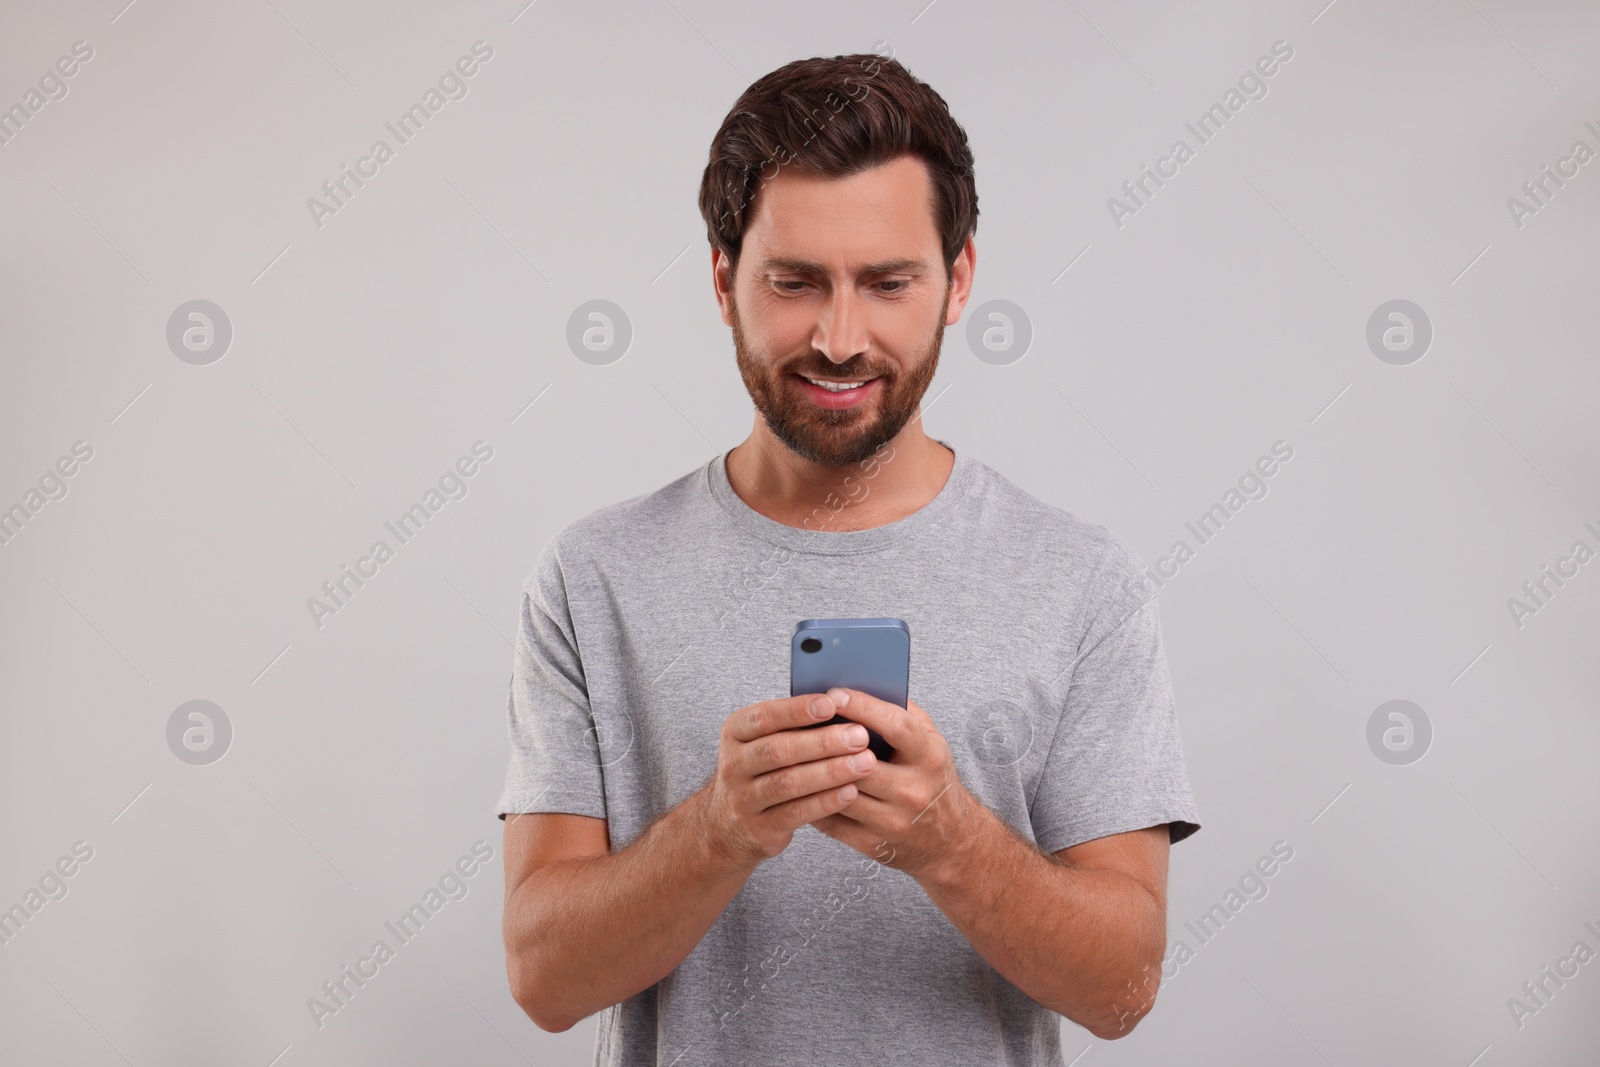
(773, 777)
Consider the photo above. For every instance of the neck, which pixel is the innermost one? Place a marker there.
(901, 478)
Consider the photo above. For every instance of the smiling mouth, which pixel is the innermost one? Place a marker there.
(838, 386)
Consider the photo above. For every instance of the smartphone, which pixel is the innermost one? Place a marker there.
(869, 655)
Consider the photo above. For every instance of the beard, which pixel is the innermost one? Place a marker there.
(836, 438)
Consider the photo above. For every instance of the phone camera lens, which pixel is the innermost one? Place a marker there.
(811, 644)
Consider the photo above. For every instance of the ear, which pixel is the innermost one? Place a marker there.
(961, 272)
(722, 283)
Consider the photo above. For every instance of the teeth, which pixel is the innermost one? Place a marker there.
(836, 387)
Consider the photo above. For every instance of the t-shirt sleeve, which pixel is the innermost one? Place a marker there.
(555, 761)
(1116, 761)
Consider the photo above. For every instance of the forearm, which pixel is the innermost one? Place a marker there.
(584, 934)
(1085, 943)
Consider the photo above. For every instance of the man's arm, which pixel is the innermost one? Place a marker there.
(1081, 931)
(585, 927)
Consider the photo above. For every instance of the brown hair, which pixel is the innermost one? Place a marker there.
(834, 118)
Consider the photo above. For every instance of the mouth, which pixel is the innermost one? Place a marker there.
(838, 393)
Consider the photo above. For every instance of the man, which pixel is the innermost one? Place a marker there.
(730, 887)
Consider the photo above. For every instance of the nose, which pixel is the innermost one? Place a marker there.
(841, 331)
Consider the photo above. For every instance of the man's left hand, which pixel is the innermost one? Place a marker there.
(910, 812)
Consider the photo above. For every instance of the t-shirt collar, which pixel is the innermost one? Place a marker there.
(819, 539)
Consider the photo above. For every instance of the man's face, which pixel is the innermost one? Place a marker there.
(841, 281)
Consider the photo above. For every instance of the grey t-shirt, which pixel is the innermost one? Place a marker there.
(1035, 647)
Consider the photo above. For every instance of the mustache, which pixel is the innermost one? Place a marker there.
(854, 367)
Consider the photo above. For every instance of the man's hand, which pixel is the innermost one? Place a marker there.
(1074, 930)
(915, 802)
(773, 777)
(587, 926)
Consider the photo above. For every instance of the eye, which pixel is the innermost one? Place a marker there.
(783, 286)
(901, 282)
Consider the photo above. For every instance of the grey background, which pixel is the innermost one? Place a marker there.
(369, 354)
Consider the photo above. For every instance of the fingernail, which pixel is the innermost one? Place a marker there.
(862, 761)
(841, 697)
(821, 708)
(855, 735)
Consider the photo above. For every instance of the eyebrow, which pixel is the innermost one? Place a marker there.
(804, 266)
